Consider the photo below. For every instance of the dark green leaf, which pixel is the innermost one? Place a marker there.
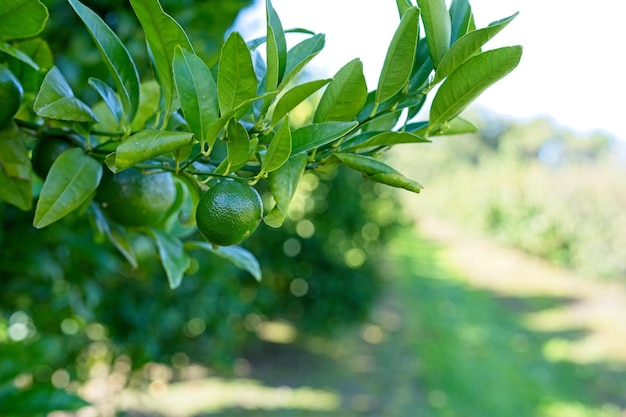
(295, 96)
(238, 256)
(391, 138)
(318, 134)
(462, 19)
(300, 55)
(279, 150)
(283, 184)
(116, 57)
(56, 100)
(219, 124)
(15, 170)
(117, 236)
(17, 54)
(174, 259)
(467, 46)
(469, 80)
(72, 179)
(400, 57)
(197, 92)
(163, 35)
(279, 43)
(109, 98)
(145, 145)
(437, 26)
(345, 96)
(272, 68)
(21, 19)
(238, 146)
(236, 80)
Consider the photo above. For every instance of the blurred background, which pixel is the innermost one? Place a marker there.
(497, 291)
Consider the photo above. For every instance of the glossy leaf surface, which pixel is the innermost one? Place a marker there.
(197, 92)
(116, 57)
(469, 80)
(236, 79)
(318, 134)
(283, 184)
(21, 18)
(72, 179)
(437, 26)
(400, 57)
(163, 35)
(345, 96)
(145, 145)
(56, 100)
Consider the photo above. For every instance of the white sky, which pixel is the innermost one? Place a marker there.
(573, 67)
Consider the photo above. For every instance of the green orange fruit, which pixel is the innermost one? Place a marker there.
(46, 151)
(134, 198)
(228, 212)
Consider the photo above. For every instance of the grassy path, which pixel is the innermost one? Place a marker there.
(465, 329)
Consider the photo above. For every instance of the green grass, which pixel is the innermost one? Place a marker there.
(475, 357)
(433, 347)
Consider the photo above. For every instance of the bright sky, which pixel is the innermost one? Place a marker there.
(573, 67)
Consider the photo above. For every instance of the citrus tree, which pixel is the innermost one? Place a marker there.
(154, 155)
(193, 155)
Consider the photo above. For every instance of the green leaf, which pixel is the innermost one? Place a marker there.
(437, 26)
(238, 146)
(345, 96)
(238, 256)
(197, 92)
(462, 19)
(279, 44)
(279, 150)
(403, 6)
(174, 259)
(236, 80)
(219, 124)
(318, 134)
(148, 105)
(295, 96)
(15, 169)
(17, 54)
(72, 179)
(300, 55)
(145, 145)
(163, 35)
(456, 126)
(391, 138)
(117, 236)
(469, 80)
(272, 76)
(400, 57)
(283, 184)
(467, 46)
(109, 98)
(116, 58)
(56, 100)
(397, 180)
(378, 171)
(21, 19)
